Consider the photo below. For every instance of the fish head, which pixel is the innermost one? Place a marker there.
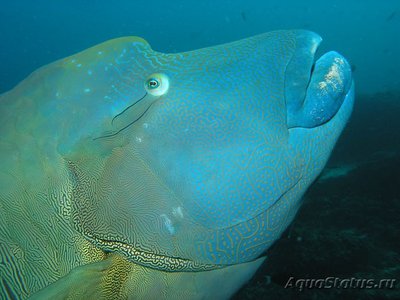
(197, 160)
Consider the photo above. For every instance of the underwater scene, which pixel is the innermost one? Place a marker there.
(200, 149)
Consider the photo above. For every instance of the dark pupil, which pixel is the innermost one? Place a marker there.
(153, 83)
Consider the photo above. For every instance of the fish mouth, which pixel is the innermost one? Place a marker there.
(315, 90)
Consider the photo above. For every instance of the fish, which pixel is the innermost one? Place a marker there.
(243, 15)
(391, 16)
(132, 173)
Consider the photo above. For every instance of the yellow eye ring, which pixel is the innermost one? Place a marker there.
(157, 84)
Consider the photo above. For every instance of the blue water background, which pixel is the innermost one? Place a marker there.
(34, 33)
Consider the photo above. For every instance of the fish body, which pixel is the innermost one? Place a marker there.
(153, 175)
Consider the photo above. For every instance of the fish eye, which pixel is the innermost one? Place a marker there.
(152, 83)
(157, 84)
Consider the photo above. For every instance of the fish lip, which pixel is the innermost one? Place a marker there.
(299, 69)
(329, 83)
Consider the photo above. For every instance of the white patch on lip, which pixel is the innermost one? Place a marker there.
(322, 85)
(333, 79)
(333, 76)
(339, 61)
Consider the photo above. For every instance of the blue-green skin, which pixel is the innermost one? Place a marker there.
(210, 174)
